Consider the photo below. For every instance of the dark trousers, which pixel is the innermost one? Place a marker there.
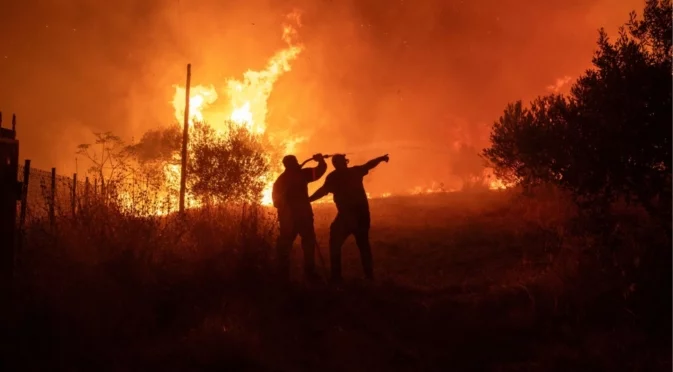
(343, 226)
(289, 229)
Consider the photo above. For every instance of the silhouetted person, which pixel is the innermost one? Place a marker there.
(295, 215)
(352, 211)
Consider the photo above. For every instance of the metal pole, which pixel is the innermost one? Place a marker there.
(185, 134)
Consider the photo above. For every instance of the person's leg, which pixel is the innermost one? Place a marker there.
(308, 242)
(337, 236)
(283, 247)
(362, 241)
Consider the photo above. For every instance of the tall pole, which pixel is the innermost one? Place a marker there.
(185, 134)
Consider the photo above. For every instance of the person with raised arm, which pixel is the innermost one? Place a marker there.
(346, 185)
(295, 215)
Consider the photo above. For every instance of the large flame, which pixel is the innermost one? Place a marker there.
(246, 105)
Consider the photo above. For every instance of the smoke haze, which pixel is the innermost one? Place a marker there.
(421, 80)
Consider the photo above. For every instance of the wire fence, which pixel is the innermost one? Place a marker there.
(47, 195)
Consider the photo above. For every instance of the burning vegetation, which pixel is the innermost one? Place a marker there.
(552, 251)
(231, 155)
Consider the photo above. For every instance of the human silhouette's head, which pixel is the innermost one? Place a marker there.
(290, 162)
(339, 161)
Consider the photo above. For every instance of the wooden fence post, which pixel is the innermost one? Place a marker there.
(52, 197)
(24, 200)
(185, 140)
(86, 191)
(74, 193)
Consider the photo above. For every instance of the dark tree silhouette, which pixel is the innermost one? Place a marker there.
(611, 138)
(226, 168)
(158, 144)
(221, 168)
(109, 156)
(156, 148)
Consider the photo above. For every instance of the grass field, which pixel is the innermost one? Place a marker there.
(465, 281)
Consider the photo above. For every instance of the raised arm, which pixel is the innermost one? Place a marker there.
(315, 173)
(374, 162)
(318, 194)
(321, 192)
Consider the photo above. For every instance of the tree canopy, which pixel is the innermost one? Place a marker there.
(221, 167)
(226, 168)
(611, 137)
(109, 157)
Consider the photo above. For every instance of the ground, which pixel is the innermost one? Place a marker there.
(465, 281)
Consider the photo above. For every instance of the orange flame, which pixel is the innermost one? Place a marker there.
(246, 106)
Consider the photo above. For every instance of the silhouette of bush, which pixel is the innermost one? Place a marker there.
(226, 168)
(109, 290)
(158, 144)
(611, 137)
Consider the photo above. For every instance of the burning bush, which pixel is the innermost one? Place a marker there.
(158, 144)
(226, 168)
(222, 167)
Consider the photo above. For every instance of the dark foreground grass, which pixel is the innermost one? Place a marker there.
(483, 281)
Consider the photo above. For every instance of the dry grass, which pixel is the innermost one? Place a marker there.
(479, 281)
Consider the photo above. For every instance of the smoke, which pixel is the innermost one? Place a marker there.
(420, 80)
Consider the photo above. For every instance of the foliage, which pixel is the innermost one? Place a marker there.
(158, 144)
(226, 168)
(611, 138)
(521, 141)
(110, 159)
(156, 148)
(198, 291)
(221, 168)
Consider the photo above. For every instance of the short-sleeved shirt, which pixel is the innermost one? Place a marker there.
(348, 189)
(290, 191)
